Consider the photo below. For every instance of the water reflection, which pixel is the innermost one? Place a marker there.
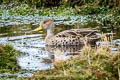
(64, 52)
(37, 56)
(35, 60)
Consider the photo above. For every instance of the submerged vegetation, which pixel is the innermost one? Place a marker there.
(93, 64)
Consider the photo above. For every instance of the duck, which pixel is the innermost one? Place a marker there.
(67, 37)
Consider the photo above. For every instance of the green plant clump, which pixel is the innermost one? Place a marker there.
(8, 62)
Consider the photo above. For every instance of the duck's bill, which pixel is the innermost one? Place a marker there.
(38, 29)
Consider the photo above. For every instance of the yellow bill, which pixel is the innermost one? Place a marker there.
(39, 28)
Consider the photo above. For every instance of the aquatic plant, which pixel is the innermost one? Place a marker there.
(49, 3)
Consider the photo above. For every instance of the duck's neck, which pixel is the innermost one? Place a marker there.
(50, 33)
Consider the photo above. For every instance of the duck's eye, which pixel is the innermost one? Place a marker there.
(45, 22)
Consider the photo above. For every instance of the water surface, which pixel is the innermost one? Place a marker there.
(38, 56)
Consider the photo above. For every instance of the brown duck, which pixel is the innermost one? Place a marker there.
(67, 37)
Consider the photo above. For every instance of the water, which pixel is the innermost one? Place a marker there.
(38, 56)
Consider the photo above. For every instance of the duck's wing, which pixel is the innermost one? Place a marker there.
(77, 32)
(88, 33)
(73, 37)
(68, 33)
(67, 37)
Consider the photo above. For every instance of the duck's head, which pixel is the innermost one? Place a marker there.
(47, 24)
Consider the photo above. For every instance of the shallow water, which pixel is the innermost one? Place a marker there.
(38, 56)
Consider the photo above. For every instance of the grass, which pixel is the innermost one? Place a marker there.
(99, 63)
(8, 62)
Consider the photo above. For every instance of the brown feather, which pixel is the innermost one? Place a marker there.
(69, 37)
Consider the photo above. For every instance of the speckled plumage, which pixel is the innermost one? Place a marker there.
(68, 37)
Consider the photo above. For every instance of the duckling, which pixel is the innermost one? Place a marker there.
(67, 37)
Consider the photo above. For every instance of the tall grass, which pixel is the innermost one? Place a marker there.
(98, 63)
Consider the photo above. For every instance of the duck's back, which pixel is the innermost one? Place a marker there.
(74, 37)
